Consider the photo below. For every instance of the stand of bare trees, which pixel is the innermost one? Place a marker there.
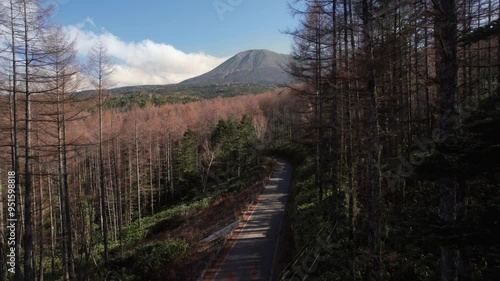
(85, 170)
(37, 61)
(380, 78)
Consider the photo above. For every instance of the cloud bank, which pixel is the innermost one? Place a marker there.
(145, 62)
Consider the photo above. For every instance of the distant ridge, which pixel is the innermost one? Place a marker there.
(253, 66)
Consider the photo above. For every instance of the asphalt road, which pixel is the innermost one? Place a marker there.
(253, 253)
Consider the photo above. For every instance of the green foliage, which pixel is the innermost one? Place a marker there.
(129, 101)
(139, 96)
(238, 146)
(144, 257)
(248, 142)
(132, 234)
(158, 259)
(225, 135)
(152, 261)
(188, 155)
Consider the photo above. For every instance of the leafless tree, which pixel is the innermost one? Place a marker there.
(99, 70)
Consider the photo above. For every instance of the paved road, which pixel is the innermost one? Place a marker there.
(252, 255)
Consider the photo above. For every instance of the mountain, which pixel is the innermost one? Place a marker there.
(253, 66)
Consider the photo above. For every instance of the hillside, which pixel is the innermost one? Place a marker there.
(248, 72)
(253, 66)
(128, 97)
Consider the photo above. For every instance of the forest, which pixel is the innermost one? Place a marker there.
(390, 127)
(397, 168)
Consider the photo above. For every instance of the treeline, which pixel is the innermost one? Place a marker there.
(389, 127)
(141, 96)
(85, 171)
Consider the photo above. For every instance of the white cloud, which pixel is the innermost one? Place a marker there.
(90, 21)
(145, 62)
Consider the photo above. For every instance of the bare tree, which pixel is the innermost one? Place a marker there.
(207, 157)
(445, 29)
(12, 23)
(375, 270)
(99, 70)
(32, 26)
(60, 100)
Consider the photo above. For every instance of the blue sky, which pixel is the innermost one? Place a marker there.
(168, 41)
(219, 28)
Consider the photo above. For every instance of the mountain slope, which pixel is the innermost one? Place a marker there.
(254, 66)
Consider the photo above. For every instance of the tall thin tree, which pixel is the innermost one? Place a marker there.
(100, 69)
(445, 29)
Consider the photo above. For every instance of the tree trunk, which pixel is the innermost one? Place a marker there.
(28, 174)
(446, 75)
(137, 172)
(40, 226)
(101, 181)
(117, 161)
(498, 60)
(151, 186)
(374, 216)
(15, 145)
(52, 230)
(350, 184)
(130, 186)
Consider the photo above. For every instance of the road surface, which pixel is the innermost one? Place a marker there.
(252, 254)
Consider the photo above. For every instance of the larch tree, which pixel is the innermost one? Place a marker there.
(11, 13)
(374, 212)
(99, 70)
(29, 31)
(445, 29)
(63, 68)
(309, 66)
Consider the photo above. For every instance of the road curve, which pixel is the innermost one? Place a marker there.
(252, 254)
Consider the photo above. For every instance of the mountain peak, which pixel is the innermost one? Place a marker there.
(251, 66)
(255, 51)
